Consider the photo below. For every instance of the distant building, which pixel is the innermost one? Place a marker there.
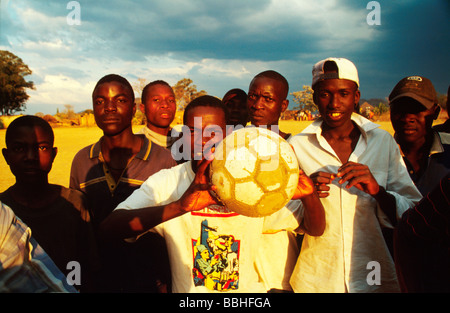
(366, 110)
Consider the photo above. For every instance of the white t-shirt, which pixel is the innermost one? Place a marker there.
(277, 258)
(230, 239)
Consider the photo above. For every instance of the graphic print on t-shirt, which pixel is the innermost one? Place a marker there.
(216, 259)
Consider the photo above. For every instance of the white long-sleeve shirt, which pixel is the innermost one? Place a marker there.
(352, 255)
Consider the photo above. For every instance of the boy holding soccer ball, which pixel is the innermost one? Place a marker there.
(211, 248)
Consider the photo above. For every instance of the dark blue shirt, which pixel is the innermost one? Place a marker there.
(437, 167)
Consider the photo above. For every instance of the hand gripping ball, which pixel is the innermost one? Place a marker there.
(255, 171)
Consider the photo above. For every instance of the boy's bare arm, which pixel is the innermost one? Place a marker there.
(123, 223)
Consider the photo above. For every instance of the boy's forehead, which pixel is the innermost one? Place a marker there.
(266, 81)
(268, 85)
(160, 86)
(335, 83)
(159, 89)
(29, 133)
(207, 113)
(107, 86)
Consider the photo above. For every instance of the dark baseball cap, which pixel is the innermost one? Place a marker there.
(416, 87)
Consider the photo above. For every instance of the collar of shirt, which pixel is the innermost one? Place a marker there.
(439, 139)
(96, 152)
(364, 125)
(436, 146)
(162, 140)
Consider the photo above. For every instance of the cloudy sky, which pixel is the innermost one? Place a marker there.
(220, 44)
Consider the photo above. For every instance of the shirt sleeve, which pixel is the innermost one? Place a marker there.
(163, 187)
(429, 219)
(287, 218)
(399, 184)
(75, 170)
(159, 189)
(74, 182)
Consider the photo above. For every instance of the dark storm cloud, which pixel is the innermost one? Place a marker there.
(223, 44)
(414, 41)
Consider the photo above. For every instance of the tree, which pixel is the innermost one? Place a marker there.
(304, 99)
(381, 108)
(12, 83)
(185, 91)
(138, 87)
(69, 111)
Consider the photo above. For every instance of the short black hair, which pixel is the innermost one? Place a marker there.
(205, 101)
(28, 121)
(330, 66)
(115, 78)
(241, 94)
(149, 85)
(276, 76)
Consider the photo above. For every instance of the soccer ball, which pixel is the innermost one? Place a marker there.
(255, 171)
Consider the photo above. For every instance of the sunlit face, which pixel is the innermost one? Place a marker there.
(159, 107)
(266, 101)
(113, 107)
(207, 128)
(411, 120)
(336, 100)
(30, 154)
(237, 109)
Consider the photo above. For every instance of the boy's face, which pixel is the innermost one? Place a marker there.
(159, 106)
(30, 154)
(209, 131)
(266, 101)
(336, 100)
(113, 107)
(237, 107)
(411, 120)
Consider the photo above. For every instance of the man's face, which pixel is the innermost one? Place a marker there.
(113, 107)
(411, 120)
(159, 107)
(207, 127)
(266, 101)
(237, 107)
(336, 100)
(30, 154)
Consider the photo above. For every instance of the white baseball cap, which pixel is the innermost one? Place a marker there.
(345, 70)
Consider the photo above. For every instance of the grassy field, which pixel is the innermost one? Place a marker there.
(70, 140)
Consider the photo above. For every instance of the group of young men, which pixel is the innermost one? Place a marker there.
(138, 219)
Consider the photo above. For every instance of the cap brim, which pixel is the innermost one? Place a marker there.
(425, 102)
